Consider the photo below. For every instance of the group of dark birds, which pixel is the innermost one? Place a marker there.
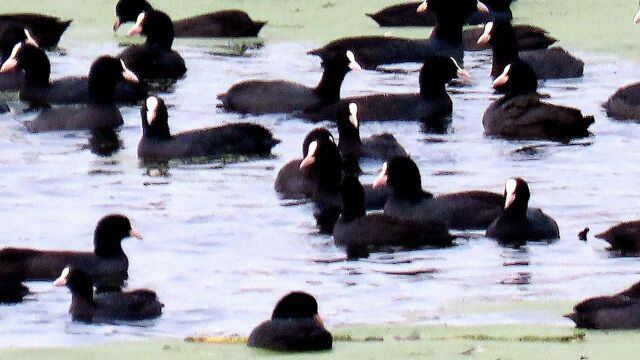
(327, 173)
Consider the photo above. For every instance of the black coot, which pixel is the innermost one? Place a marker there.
(624, 237)
(361, 233)
(553, 63)
(157, 143)
(620, 311)
(107, 264)
(446, 39)
(520, 114)
(291, 183)
(518, 223)
(528, 37)
(12, 80)
(432, 105)
(46, 30)
(624, 104)
(132, 305)
(12, 292)
(279, 96)
(323, 166)
(101, 111)
(320, 174)
(294, 326)
(407, 14)
(352, 148)
(463, 210)
(225, 23)
(154, 60)
(38, 90)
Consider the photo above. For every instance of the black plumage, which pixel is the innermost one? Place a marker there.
(107, 263)
(520, 114)
(225, 23)
(462, 210)
(295, 326)
(552, 63)
(279, 96)
(361, 233)
(432, 106)
(154, 60)
(518, 223)
(46, 30)
(132, 305)
(620, 311)
(100, 112)
(445, 40)
(157, 143)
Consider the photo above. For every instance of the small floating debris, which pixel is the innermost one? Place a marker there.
(582, 235)
(522, 278)
(219, 340)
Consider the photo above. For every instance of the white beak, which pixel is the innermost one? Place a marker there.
(503, 78)
(482, 7)
(128, 74)
(116, 24)
(137, 28)
(12, 61)
(311, 155)
(486, 35)
(136, 234)
(62, 280)
(510, 188)
(382, 178)
(353, 64)
(423, 7)
(353, 114)
(30, 40)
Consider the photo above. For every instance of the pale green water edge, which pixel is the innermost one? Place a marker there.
(603, 26)
(387, 342)
(396, 341)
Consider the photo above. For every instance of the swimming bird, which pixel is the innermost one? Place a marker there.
(360, 232)
(110, 306)
(406, 14)
(624, 237)
(529, 37)
(445, 40)
(46, 30)
(225, 23)
(294, 326)
(520, 114)
(624, 104)
(620, 311)
(101, 111)
(408, 201)
(518, 223)
(39, 90)
(352, 147)
(107, 264)
(157, 143)
(432, 105)
(552, 63)
(154, 60)
(318, 174)
(279, 96)
(9, 38)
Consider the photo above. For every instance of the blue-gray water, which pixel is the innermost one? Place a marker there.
(220, 248)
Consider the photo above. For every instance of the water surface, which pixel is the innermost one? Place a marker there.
(220, 248)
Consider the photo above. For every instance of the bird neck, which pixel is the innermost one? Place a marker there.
(328, 88)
